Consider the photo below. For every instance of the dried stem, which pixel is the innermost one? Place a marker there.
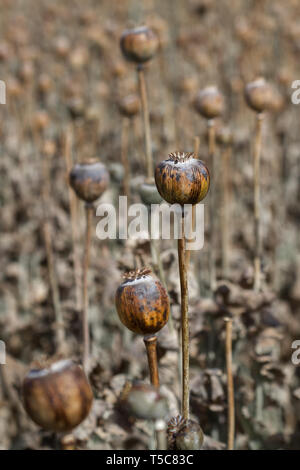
(145, 108)
(73, 202)
(151, 348)
(230, 386)
(161, 437)
(256, 170)
(225, 225)
(59, 327)
(86, 262)
(188, 252)
(124, 156)
(211, 151)
(184, 323)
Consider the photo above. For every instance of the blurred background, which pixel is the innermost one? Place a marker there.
(65, 76)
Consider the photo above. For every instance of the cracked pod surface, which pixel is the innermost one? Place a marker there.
(142, 302)
(182, 179)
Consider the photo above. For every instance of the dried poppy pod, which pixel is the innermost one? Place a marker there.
(130, 105)
(148, 192)
(57, 397)
(142, 302)
(146, 402)
(209, 102)
(89, 180)
(224, 136)
(184, 434)
(139, 44)
(258, 95)
(182, 179)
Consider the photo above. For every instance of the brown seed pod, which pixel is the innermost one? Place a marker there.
(57, 396)
(130, 105)
(184, 434)
(139, 44)
(146, 402)
(209, 102)
(142, 302)
(258, 95)
(89, 180)
(182, 179)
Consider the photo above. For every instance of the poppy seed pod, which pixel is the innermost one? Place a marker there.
(184, 434)
(130, 105)
(142, 302)
(146, 402)
(89, 180)
(139, 44)
(57, 397)
(258, 95)
(148, 193)
(224, 136)
(209, 102)
(182, 179)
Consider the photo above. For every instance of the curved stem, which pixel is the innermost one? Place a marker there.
(151, 348)
(230, 385)
(256, 168)
(86, 262)
(147, 130)
(184, 323)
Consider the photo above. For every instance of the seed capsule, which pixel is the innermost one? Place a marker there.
(209, 102)
(139, 44)
(130, 105)
(89, 180)
(148, 193)
(224, 136)
(57, 397)
(258, 95)
(146, 402)
(184, 434)
(142, 302)
(182, 179)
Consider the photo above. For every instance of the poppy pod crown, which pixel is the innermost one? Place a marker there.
(182, 179)
(57, 396)
(89, 180)
(142, 302)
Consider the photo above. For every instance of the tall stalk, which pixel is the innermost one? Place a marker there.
(184, 322)
(226, 152)
(256, 170)
(230, 385)
(124, 157)
(151, 348)
(147, 130)
(212, 251)
(86, 262)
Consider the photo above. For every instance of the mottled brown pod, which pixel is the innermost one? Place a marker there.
(130, 105)
(57, 397)
(209, 102)
(142, 302)
(139, 44)
(89, 180)
(259, 95)
(182, 179)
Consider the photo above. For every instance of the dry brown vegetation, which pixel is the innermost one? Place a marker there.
(65, 76)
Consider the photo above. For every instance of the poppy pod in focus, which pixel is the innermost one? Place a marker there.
(182, 179)
(259, 95)
(139, 44)
(209, 102)
(57, 397)
(142, 302)
(89, 180)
